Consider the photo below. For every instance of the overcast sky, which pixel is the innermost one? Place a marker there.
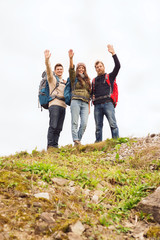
(28, 27)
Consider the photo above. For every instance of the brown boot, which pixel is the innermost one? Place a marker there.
(76, 143)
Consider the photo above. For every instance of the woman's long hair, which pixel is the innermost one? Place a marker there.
(84, 79)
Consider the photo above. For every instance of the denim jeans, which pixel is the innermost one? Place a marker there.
(79, 108)
(57, 115)
(108, 110)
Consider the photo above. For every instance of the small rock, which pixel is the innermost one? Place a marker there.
(139, 230)
(71, 183)
(60, 181)
(77, 228)
(42, 195)
(151, 205)
(153, 135)
(20, 194)
(41, 227)
(1, 237)
(95, 198)
(47, 217)
(97, 195)
(74, 236)
(6, 236)
(71, 190)
(37, 204)
(59, 235)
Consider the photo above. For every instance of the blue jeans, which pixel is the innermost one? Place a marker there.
(79, 108)
(57, 115)
(108, 110)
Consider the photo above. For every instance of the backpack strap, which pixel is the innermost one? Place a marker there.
(109, 83)
(57, 84)
(107, 79)
(93, 84)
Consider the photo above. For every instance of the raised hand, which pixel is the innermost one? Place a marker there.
(47, 54)
(111, 49)
(70, 53)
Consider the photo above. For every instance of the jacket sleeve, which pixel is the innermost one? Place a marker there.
(72, 75)
(50, 77)
(115, 71)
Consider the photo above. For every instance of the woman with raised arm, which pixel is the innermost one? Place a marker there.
(80, 102)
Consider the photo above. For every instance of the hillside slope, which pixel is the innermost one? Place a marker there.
(89, 192)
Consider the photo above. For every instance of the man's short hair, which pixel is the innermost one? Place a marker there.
(58, 65)
(97, 62)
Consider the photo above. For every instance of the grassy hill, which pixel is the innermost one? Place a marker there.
(98, 184)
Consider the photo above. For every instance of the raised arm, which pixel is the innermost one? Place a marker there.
(111, 49)
(47, 56)
(117, 66)
(71, 54)
(72, 73)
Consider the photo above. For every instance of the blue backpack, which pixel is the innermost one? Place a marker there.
(44, 96)
(68, 91)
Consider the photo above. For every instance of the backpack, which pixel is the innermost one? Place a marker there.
(44, 96)
(68, 91)
(113, 92)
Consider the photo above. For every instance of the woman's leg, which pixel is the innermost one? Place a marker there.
(84, 113)
(75, 112)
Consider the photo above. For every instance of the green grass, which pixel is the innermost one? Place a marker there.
(124, 182)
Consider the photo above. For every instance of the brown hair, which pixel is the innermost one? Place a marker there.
(86, 79)
(97, 62)
(58, 65)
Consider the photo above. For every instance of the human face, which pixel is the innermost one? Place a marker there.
(100, 69)
(81, 69)
(59, 71)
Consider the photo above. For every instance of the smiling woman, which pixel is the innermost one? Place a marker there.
(80, 101)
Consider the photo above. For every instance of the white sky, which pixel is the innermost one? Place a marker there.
(28, 27)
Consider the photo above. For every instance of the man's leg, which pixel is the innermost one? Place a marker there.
(75, 111)
(84, 112)
(56, 114)
(98, 116)
(109, 112)
(60, 122)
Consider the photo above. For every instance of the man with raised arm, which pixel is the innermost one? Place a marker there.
(57, 106)
(101, 97)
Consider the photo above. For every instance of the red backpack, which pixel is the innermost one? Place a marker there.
(113, 93)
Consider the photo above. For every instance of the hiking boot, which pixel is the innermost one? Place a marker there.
(51, 147)
(76, 143)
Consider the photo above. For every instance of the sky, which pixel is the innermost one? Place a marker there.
(28, 27)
